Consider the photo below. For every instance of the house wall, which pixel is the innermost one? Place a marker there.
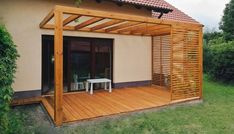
(132, 54)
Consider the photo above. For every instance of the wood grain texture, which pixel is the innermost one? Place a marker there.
(127, 17)
(115, 18)
(58, 68)
(201, 60)
(49, 16)
(88, 22)
(178, 57)
(186, 60)
(161, 59)
(26, 101)
(82, 106)
(106, 24)
(70, 19)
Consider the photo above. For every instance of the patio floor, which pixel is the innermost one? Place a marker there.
(82, 106)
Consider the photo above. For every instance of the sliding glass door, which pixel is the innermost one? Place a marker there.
(84, 58)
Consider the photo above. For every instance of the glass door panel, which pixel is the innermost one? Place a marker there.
(80, 64)
(103, 59)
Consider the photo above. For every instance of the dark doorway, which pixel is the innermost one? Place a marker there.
(83, 58)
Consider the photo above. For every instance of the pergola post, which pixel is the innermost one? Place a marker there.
(200, 60)
(58, 68)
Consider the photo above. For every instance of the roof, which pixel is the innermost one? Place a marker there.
(148, 3)
(174, 14)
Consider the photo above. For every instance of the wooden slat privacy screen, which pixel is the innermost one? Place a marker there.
(185, 64)
(161, 49)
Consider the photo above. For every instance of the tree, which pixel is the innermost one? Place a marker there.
(226, 23)
(208, 36)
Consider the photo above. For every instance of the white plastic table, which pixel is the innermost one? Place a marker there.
(93, 81)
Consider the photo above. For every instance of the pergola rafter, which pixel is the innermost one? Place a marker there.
(122, 26)
(182, 57)
(125, 22)
(70, 19)
(106, 24)
(88, 22)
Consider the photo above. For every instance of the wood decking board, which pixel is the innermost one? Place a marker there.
(26, 101)
(81, 106)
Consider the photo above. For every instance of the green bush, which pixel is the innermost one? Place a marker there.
(210, 38)
(8, 57)
(222, 61)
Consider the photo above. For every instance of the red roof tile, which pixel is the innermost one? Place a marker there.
(151, 3)
(176, 14)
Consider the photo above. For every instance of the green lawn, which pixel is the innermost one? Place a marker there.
(214, 116)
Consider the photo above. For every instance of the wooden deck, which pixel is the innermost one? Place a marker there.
(82, 106)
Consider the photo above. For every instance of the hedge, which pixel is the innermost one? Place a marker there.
(221, 58)
(8, 57)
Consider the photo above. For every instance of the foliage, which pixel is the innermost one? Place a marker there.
(78, 2)
(216, 41)
(210, 35)
(15, 124)
(8, 57)
(226, 23)
(222, 63)
(210, 39)
(218, 58)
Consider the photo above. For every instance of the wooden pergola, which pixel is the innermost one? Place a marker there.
(184, 45)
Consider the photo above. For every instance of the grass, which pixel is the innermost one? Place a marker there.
(214, 116)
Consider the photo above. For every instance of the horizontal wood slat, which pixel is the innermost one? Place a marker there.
(161, 61)
(185, 63)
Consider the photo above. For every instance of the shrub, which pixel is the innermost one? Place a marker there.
(222, 62)
(207, 52)
(8, 57)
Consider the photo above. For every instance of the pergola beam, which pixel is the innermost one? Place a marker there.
(154, 29)
(144, 28)
(161, 30)
(130, 28)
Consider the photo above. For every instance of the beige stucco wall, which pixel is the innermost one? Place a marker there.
(132, 54)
